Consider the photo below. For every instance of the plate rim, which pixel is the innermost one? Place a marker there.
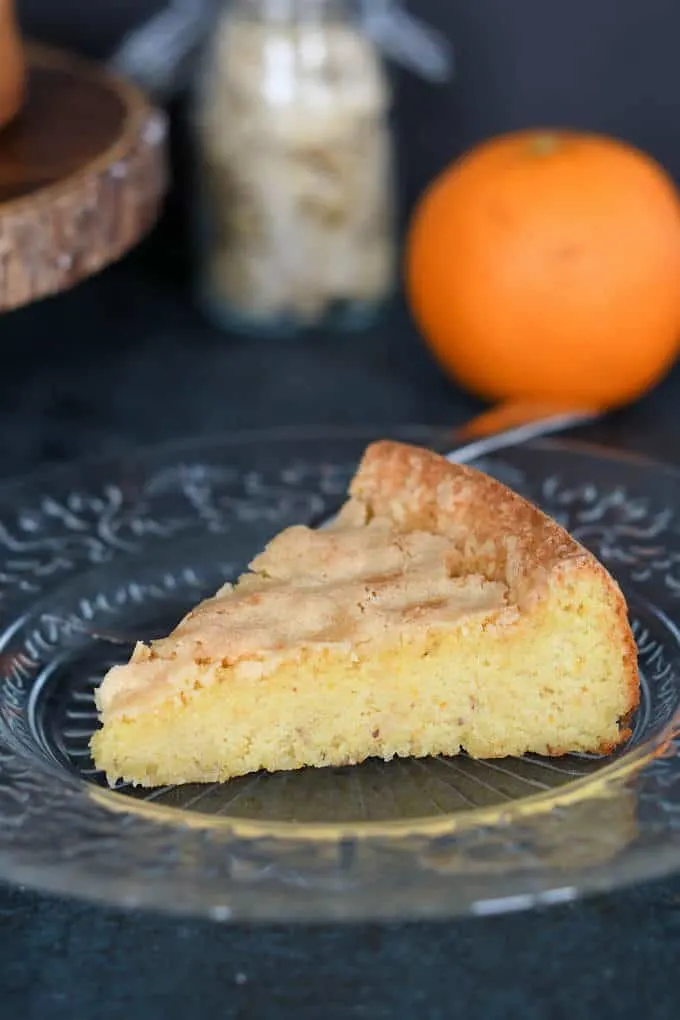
(78, 469)
(290, 433)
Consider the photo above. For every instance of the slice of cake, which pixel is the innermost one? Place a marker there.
(441, 612)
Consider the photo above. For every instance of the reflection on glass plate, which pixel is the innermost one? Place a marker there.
(129, 546)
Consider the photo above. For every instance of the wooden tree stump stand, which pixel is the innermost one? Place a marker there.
(82, 176)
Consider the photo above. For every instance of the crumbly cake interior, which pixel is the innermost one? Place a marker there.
(406, 629)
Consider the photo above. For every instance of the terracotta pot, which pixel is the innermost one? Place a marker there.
(12, 63)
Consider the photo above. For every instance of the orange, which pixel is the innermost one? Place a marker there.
(12, 64)
(547, 264)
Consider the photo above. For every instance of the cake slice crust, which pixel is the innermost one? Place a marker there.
(441, 612)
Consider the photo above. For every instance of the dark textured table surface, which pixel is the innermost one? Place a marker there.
(124, 360)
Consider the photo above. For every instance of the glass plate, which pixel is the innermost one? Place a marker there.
(128, 545)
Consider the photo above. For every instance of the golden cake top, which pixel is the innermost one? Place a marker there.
(420, 544)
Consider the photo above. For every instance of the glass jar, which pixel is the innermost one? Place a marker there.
(295, 174)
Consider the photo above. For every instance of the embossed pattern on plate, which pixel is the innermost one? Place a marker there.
(65, 718)
(131, 545)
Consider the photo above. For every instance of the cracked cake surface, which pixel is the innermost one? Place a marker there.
(429, 567)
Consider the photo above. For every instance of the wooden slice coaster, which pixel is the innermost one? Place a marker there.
(82, 174)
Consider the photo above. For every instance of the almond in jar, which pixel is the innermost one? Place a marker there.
(295, 168)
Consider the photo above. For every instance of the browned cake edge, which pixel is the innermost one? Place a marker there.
(421, 489)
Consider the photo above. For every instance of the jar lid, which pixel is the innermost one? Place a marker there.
(158, 55)
(407, 40)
